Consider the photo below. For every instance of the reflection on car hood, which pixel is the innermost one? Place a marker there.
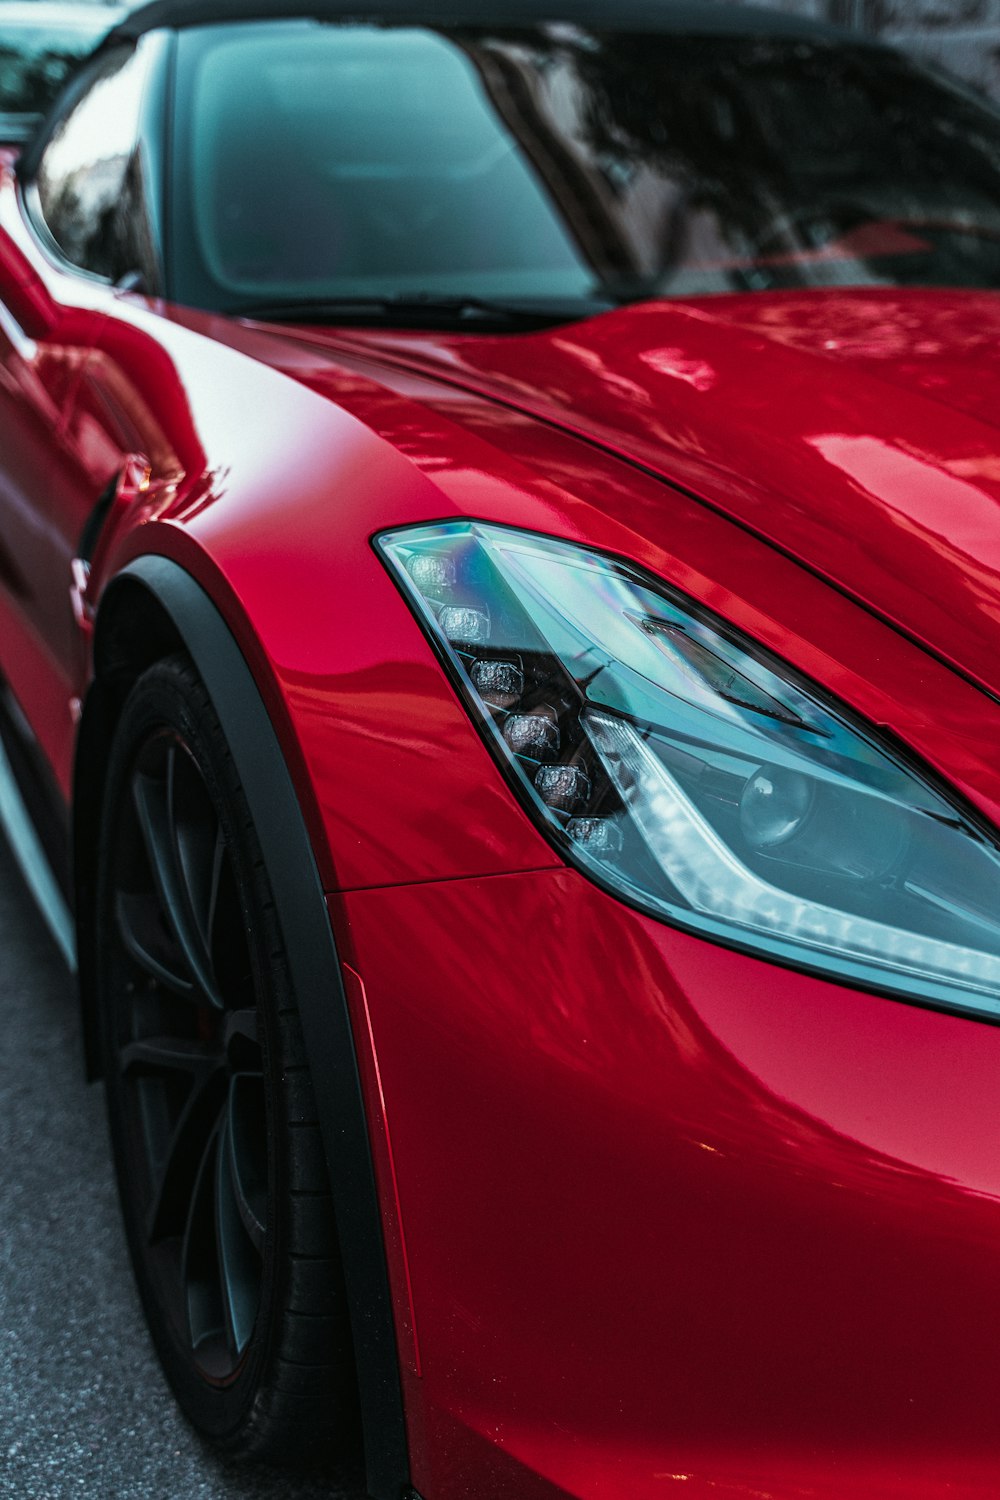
(859, 431)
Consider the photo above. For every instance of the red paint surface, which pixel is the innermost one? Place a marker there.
(676, 1212)
(666, 1219)
(856, 429)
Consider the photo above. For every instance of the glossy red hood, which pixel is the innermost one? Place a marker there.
(859, 431)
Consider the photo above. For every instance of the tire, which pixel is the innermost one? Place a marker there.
(221, 1169)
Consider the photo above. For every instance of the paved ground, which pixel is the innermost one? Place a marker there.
(83, 1408)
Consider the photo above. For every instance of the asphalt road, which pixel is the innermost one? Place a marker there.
(84, 1410)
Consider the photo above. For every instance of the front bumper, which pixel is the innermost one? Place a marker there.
(662, 1216)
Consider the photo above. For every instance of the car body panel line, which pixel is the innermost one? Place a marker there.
(608, 442)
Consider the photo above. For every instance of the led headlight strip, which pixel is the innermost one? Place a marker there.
(707, 873)
(694, 775)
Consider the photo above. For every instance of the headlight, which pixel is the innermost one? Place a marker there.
(698, 777)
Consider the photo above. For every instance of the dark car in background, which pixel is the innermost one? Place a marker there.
(40, 40)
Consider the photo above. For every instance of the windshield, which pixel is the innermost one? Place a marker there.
(35, 59)
(564, 166)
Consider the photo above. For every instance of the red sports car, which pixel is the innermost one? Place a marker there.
(500, 641)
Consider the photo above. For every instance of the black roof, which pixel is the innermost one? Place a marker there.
(691, 17)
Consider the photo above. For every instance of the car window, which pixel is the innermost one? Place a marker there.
(90, 179)
(365, 184)
(351, 161)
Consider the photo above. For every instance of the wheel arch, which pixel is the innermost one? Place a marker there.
(151, 609)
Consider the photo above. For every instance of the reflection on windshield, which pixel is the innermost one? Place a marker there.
(562, 164)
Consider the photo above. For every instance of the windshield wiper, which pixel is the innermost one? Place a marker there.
(423, 311)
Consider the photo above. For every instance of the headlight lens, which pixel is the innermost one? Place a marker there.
(701, 779)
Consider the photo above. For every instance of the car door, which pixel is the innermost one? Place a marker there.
(70, 229)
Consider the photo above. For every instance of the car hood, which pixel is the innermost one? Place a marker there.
(857, 430)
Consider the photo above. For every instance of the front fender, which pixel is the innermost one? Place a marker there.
(164, 608)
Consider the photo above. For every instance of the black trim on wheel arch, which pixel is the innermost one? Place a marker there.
(316, 975)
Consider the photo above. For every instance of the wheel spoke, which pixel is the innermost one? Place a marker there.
(199, 1259)
(239, 1265)
(240, 1023)
(247, 1140)
(190, 1076)
(199, 847)
(147, 943)
(154, 803)
(175, 1186)
(168, 1054)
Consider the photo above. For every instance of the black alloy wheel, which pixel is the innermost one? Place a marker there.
(220, 1165)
